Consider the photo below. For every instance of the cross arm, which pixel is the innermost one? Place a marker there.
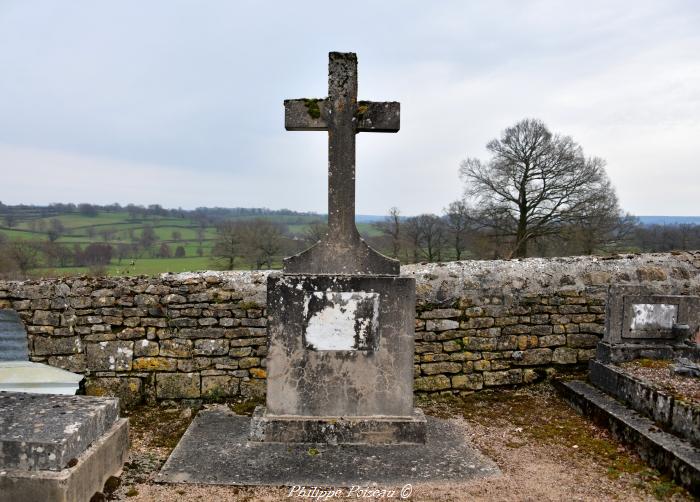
(305, 114)
(375, 116)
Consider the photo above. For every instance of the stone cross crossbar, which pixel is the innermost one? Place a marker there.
(341, 251)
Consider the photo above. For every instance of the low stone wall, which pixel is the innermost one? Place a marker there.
(202, 335)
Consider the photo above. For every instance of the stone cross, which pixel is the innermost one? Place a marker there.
(341, 251)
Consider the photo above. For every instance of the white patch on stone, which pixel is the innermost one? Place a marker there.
(334, 327)
(71, 428)
(653, 315)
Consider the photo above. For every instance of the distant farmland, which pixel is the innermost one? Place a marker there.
(122, 229)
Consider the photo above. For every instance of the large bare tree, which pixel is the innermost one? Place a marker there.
(534, 184)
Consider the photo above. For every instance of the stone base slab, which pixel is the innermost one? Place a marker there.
(104, 458)
(622, 352)
(338, 430)
(215, 449)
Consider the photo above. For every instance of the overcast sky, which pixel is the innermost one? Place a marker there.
(180, 103)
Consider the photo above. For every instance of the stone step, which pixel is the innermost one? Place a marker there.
(663, 451)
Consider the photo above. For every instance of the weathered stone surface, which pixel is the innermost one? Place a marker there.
(128, 390)
(211, 347)
(469, 382)
(432, 383)
(177, 385)
(114, 355)
(176, 347)
(145, 348)
(219, 386)
(44, 432)
(50, 345)
(510, 377)
(564, 355)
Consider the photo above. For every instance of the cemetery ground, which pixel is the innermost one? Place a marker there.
(545, 450)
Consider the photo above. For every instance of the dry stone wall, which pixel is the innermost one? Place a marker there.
(479, 324)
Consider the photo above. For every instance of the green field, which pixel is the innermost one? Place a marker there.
(120, 228)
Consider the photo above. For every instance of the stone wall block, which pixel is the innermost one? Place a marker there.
(178, 385)
(112, 355)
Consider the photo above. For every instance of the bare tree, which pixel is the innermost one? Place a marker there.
(228, 245)
(457, 219)
(56, 229)
(315, 231)
(427, 236)
(391, 228)
(25, 254)
(534, 184)
(263, 241)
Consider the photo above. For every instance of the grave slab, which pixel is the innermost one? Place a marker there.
(203, 457)
(59, 448)
(45, 432)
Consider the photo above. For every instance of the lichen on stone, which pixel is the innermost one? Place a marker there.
(312, 107)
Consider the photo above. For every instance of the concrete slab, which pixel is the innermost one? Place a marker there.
(215, 450)
(88, 474)
(45, 432)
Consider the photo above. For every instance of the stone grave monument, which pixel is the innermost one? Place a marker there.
(340, 358)
(642, 323)
(340, 319)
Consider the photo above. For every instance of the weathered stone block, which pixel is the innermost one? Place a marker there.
(441, 325)
(154, 364)
(176, 347)
(219, 386)
(46, 318)
(510, 377)
(56, 345)
(552, 340)
(145, 348)
(442, 367)
(128, 390)
(533, 357)
(432, 383)
(177, 385)
(582, 340)
(468, 382)
(564, 355)
(75, 363)
(113, 355)
(217, 347)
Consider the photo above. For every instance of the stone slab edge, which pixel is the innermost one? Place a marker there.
(661, 450)
(104, 458)
(338, 430)
(681, 418)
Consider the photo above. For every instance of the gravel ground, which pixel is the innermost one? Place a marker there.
(659, 374)
(544, 449)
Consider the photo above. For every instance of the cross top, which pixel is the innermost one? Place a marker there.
(341, 250)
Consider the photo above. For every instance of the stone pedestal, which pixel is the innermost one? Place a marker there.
(340, 361)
